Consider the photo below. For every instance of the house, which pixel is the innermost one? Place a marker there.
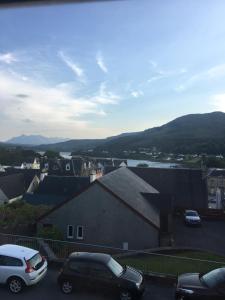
(187, 187)
(76, 166)
(216, 188)
(53, 190)
(112, 211)
(12, 187)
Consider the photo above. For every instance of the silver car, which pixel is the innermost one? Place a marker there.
(20, 267)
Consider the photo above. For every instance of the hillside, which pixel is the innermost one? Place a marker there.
(194, 133)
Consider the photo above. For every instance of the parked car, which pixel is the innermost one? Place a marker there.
(100, 272)
(191, 217)
(20, 267)
(207, 286)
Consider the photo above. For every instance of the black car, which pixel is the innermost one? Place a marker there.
(100, 272)
(201, 286)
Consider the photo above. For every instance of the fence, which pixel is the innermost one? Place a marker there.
(146, 261)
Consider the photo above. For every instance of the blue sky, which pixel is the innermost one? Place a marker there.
(98, 69)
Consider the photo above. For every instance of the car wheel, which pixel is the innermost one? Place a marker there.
(66, 287)
(15, 285)
(125, 295)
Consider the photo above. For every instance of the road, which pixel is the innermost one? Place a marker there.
(210, 236)
(48, 290)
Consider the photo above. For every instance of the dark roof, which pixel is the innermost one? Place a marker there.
(29, 174)
(43, 199)
(12, 185)
(128, 187)
(87, 256)
(187, 186)
(65, 186)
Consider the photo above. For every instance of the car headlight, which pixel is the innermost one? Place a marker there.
(138, 285)
(186, 291)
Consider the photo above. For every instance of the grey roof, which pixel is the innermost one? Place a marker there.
(66, 186)
(12, 185)
(129, 187)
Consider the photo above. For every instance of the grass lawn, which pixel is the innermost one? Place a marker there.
(177, 264)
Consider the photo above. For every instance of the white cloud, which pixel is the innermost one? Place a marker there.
(105, 96)
(8, 58)
(101, 63)
(213, 73)
(137, 94)
(76, 69)
(153, 63)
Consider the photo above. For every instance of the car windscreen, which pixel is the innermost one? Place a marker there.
(115, 267)
(36, 261)
(214, 278)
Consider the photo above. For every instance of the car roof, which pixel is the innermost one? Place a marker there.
(87, 256)
(17, 251)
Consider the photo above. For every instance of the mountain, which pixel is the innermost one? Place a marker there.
(34, 140)
(194, 133)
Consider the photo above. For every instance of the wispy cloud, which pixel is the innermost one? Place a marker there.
(101, 63)
(105, 96)
(8, 58)
(75, 68)
(160, 73)
(213, 73)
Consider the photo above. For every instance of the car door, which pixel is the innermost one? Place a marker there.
(102, 279)
(78, 273)
(9, 266)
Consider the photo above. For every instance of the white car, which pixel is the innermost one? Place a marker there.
(20, 267)
(191, 217)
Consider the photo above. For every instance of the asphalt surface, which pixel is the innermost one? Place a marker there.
(48, 290)
(210, 236)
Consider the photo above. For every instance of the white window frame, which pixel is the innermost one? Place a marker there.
(68, 230)
(80, 237)
(67, 167)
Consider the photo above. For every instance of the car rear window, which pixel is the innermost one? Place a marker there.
(36, 261)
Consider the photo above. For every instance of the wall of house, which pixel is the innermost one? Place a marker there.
(106, 221)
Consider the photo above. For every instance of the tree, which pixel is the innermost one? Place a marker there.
(52, 154)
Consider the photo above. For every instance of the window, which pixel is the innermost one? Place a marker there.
(70, 231)
(67, 167)
(80, 267)
(80, 232)
(99, 270)
(10, 261)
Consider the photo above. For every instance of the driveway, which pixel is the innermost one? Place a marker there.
(48, 290)
(210, 236)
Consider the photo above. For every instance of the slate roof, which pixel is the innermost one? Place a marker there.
(128, 187)
(216, 172)
(187, 186)
(66, 186)
(12, 185)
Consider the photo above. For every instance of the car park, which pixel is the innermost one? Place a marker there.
(192, 218)
(208, 286)
(100, 272)
(20, 267)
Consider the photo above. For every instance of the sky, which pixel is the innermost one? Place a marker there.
(95, 70)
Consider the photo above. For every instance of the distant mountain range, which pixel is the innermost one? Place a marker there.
(194, 133)
(34, 140)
